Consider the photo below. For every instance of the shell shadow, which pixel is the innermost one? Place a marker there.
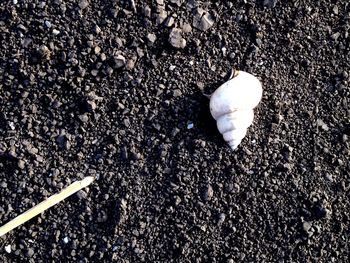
(206, 123)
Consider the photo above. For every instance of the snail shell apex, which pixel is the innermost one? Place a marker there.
(232, 104)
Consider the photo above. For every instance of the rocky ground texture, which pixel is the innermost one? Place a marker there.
(114, 89)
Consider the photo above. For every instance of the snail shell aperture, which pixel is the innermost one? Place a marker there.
(232, 104)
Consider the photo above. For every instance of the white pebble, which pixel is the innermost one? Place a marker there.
(15, 2)
(8, 249)
(224, 51)
(12, 125)
(172, 67)
(48, 24)
(55, 32)
(190, 125)
(65, 240)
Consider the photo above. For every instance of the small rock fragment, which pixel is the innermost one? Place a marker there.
(202, 20)
(44, 52)
(21, 164)
(270, 3)
(169, 22)
(63, 142)
(208, 192)
(335, 36)
(30, 252)
(161, 14)
(12, 125)
(119, 61)
(161, 17)
(130, 64)
(146, 10)
(321, 124)
(177, 2)
(97, 29)
(94, 72)
(335, 10)
(84, 118)
(186, 28)
(47, 24)
(190, 125)
(132, 5)
(221, 218)
(177, 93)
(83, 4)
(22, 27)
(55, 32)
(8, 249)
(124, 153)
(191, 4)
(176, 39)
(151, 38)
(97, 50)
(306, 226)
(26, 42)
(91, 105)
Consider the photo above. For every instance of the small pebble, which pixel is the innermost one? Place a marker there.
(306, 226)
(119, 61)
(203, 20)
(186, 28)
(335, 10)
(66, 240)
(91, 105)
(48, 24)
(190, 126)
(208, 192)
(176, 39)
(30, 252)
(151, 38)
(21, 164)
(55, 32)
(161, 16)
(83, 4)
(12, 125)
(8, 249)
(321, 124)
(270, 3)
(97, 50)
(221, 218)
(169, 22)
(97, 29)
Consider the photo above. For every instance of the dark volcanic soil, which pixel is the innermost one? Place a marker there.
(108, 88)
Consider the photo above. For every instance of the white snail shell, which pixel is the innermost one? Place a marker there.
(232, 104)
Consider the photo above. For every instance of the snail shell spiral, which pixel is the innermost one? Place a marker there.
(232, 104)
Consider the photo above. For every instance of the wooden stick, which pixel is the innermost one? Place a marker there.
(41, 207)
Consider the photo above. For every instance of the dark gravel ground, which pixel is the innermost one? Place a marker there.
(108, 88)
